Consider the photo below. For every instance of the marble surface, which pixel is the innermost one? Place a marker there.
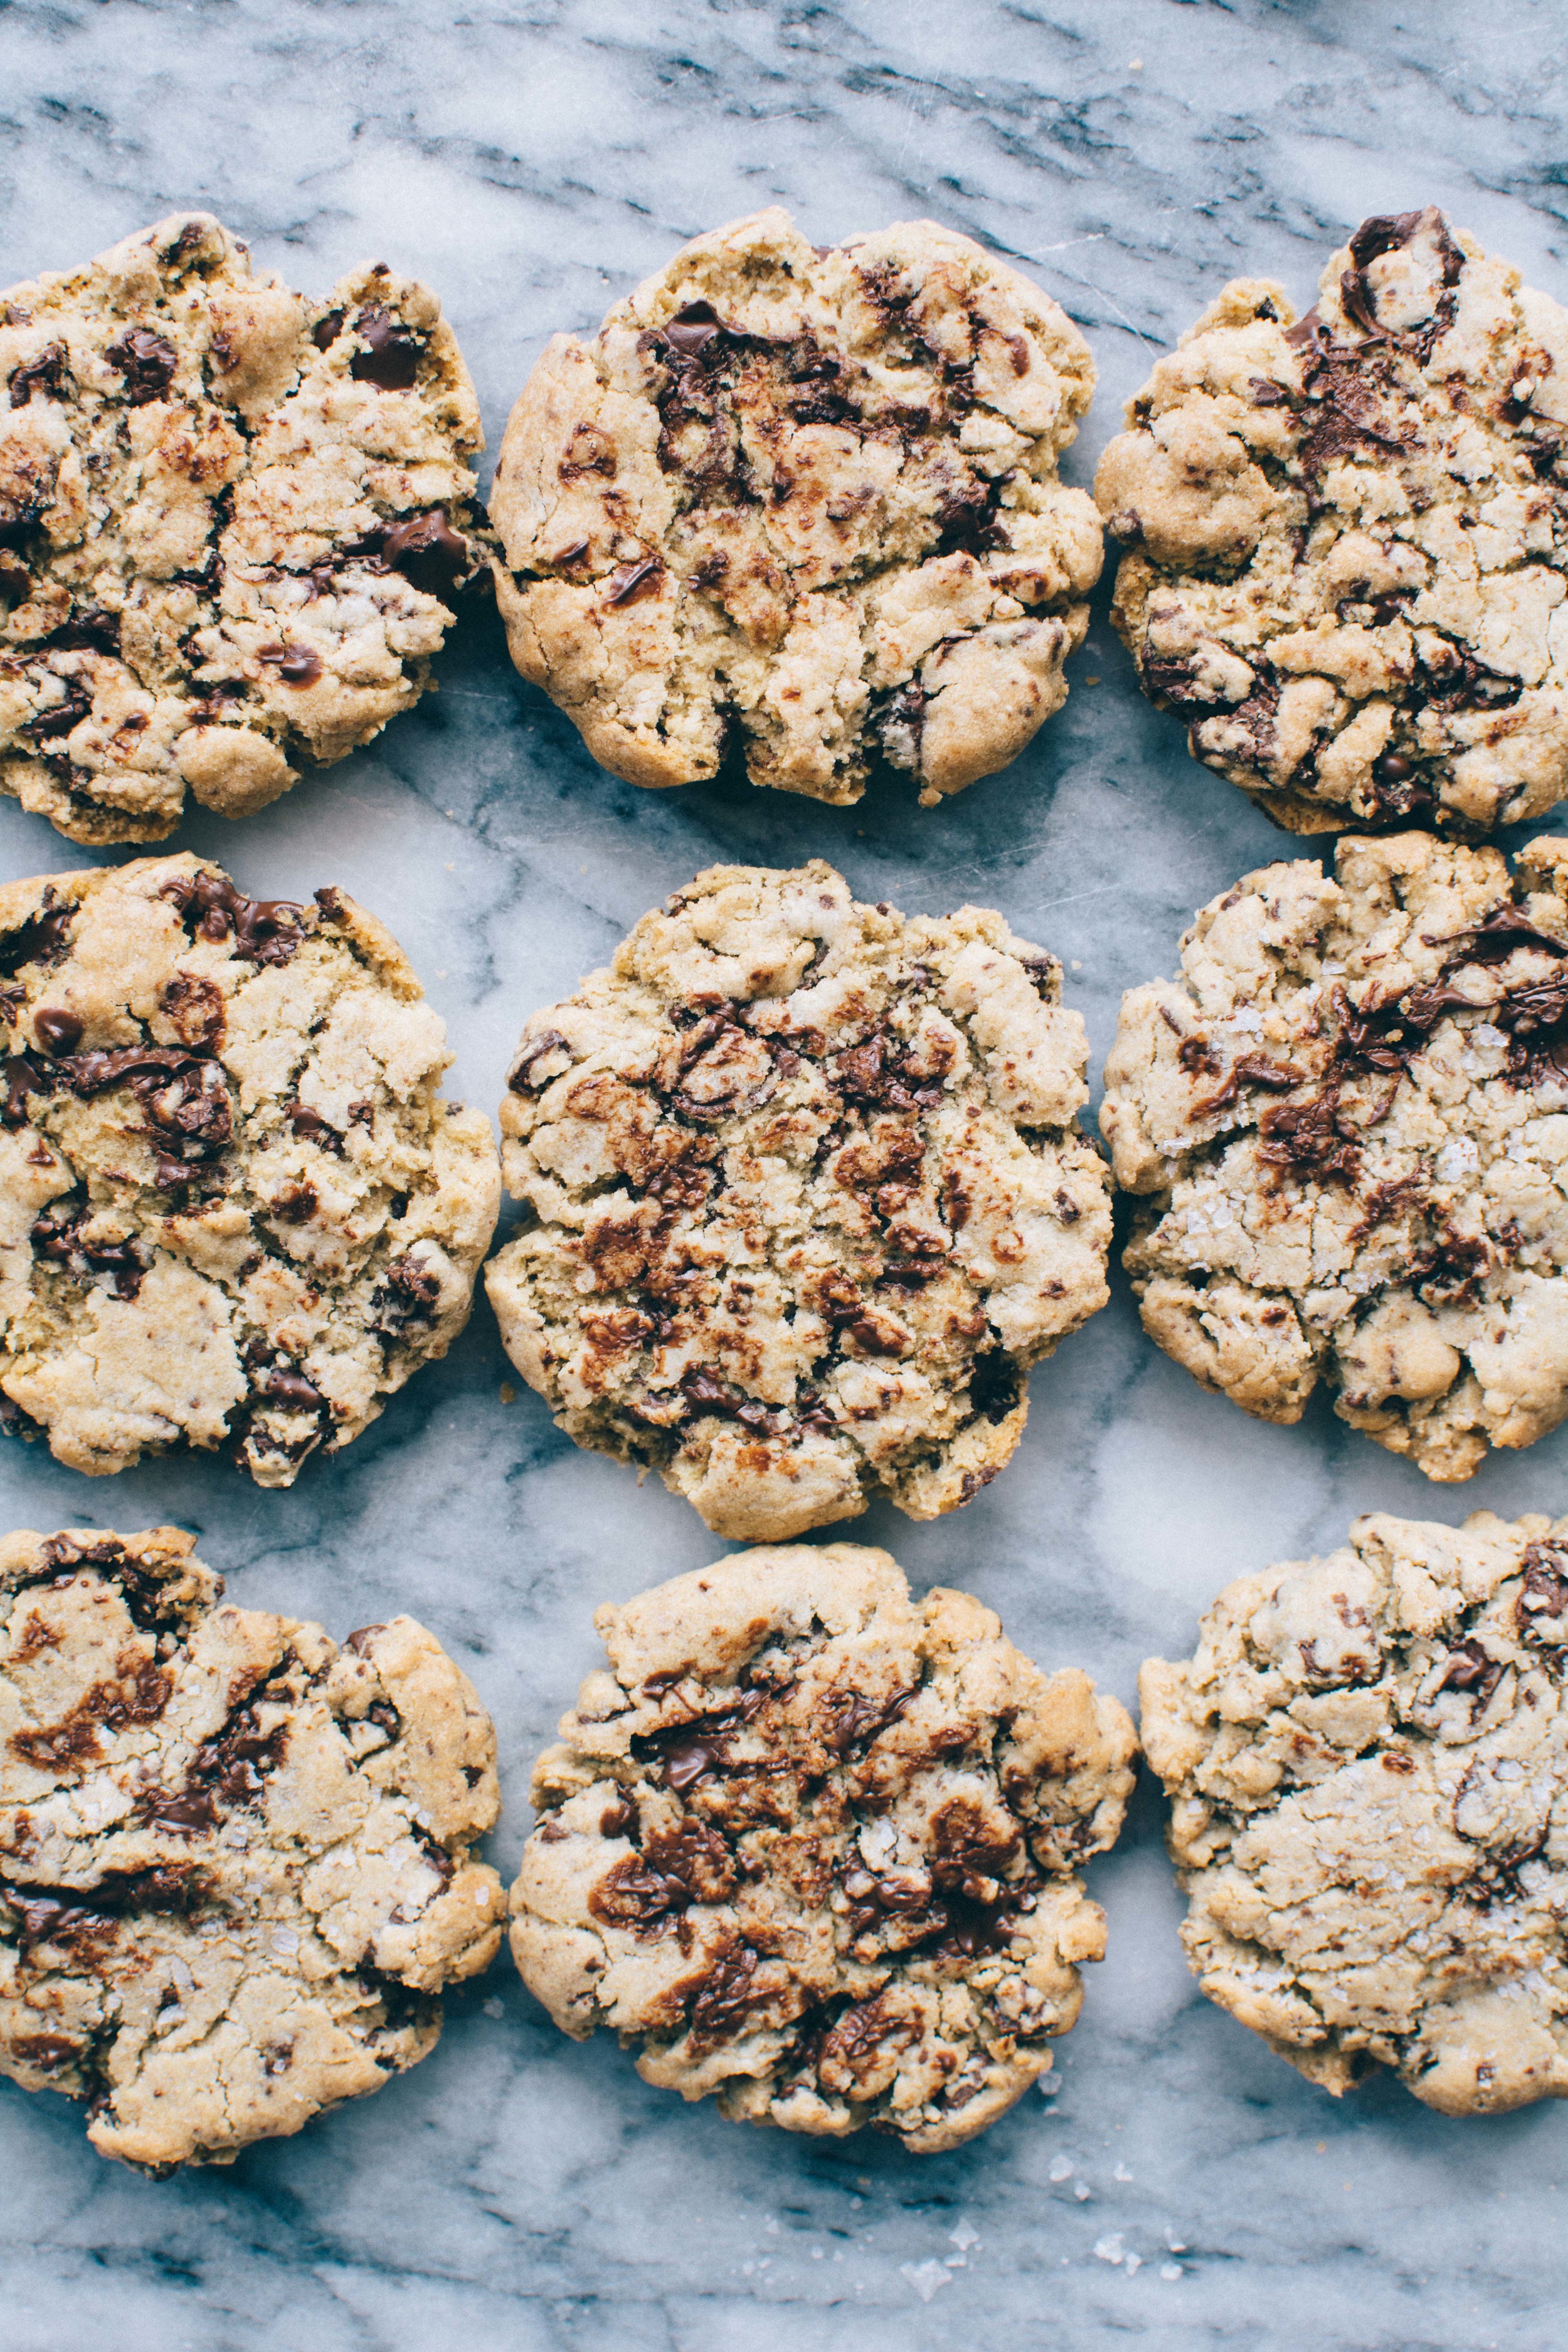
(1182, 2189)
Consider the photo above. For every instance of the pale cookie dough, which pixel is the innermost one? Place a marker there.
(812, 1847)
(233, 1204)
(1350, 1120)
(234, 1859)
(1367, 1759)
(806, 1200)
(232, 522)
(807, 500)
(1347, 538)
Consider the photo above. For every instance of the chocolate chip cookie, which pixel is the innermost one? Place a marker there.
(806, 1200)
(234, 1859)
(232, 522)
(233, 1204)
(1367, 1758)
(1349, 1120)
(804, 500)
(1347, 543)
(812, 1847)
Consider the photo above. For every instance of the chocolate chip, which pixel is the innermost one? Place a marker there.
(147, 361)
(57, 1032)
(633, 582)
(296, 665)
(314, 1128)
(391, 354)
(48, 373)
(327, 330)
(427, 552)
(265, 930)
(691, 330)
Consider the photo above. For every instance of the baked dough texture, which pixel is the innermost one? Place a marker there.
(233, 524)
(234, 1864)
(1367, 1758)
(805, 1200)
(810, 499)
(1349, 1119)
(1345, 535)
(811, 1847)
(233, 1204)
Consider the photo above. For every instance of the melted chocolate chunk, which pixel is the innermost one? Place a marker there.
(408, 1293)
(1308, 1135)
(873, 1073)
(48, 373)
(314, 1128)
(279, 1382)
(78, 1919)
(145, 1595)
(633, 582)
(57, 1237)
(226, 1774)
(693, 330)
(295, 665)
(995, 1385)
(57, 719)
(1541, 1612)
(705, 1393)
(727, 1996)
(648, 1893)
(1496, 937)
(327, 330)
(427, 552)
(1385, 233)
(391, 352)
(57, 1031)
(521, 1080)
(1469, 1669)
(147, 361)
(265, 930)
(195, 1008)
(852, 1719)
(1388, 1035)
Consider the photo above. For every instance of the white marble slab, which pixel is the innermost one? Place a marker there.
(532, 158)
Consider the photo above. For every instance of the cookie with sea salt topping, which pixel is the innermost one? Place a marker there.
(1349, 1121)
(812, 1847)
(1345, 535)
(805, 500)
(234, 1206)
(233, 524)
(1367, 1759)
(805, 1200)
(235, 1860)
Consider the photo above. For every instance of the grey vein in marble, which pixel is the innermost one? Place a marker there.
(1182, 2189)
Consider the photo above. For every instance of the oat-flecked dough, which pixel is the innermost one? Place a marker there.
(1367, 1758)
(806, 1199)
(808, 499)
(812, 1847)
(234, 1864)
(1350, 1117)
(233, 1204)
(1347, 538)
(233, 524)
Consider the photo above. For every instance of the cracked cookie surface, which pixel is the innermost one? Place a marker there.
(232, 525)
(233, 1204)
(1350, 1117)
(806, 1199)
(811, 1846)
(1367, 1757)
(1347, 538)
(234, 1864)
(808, 499)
